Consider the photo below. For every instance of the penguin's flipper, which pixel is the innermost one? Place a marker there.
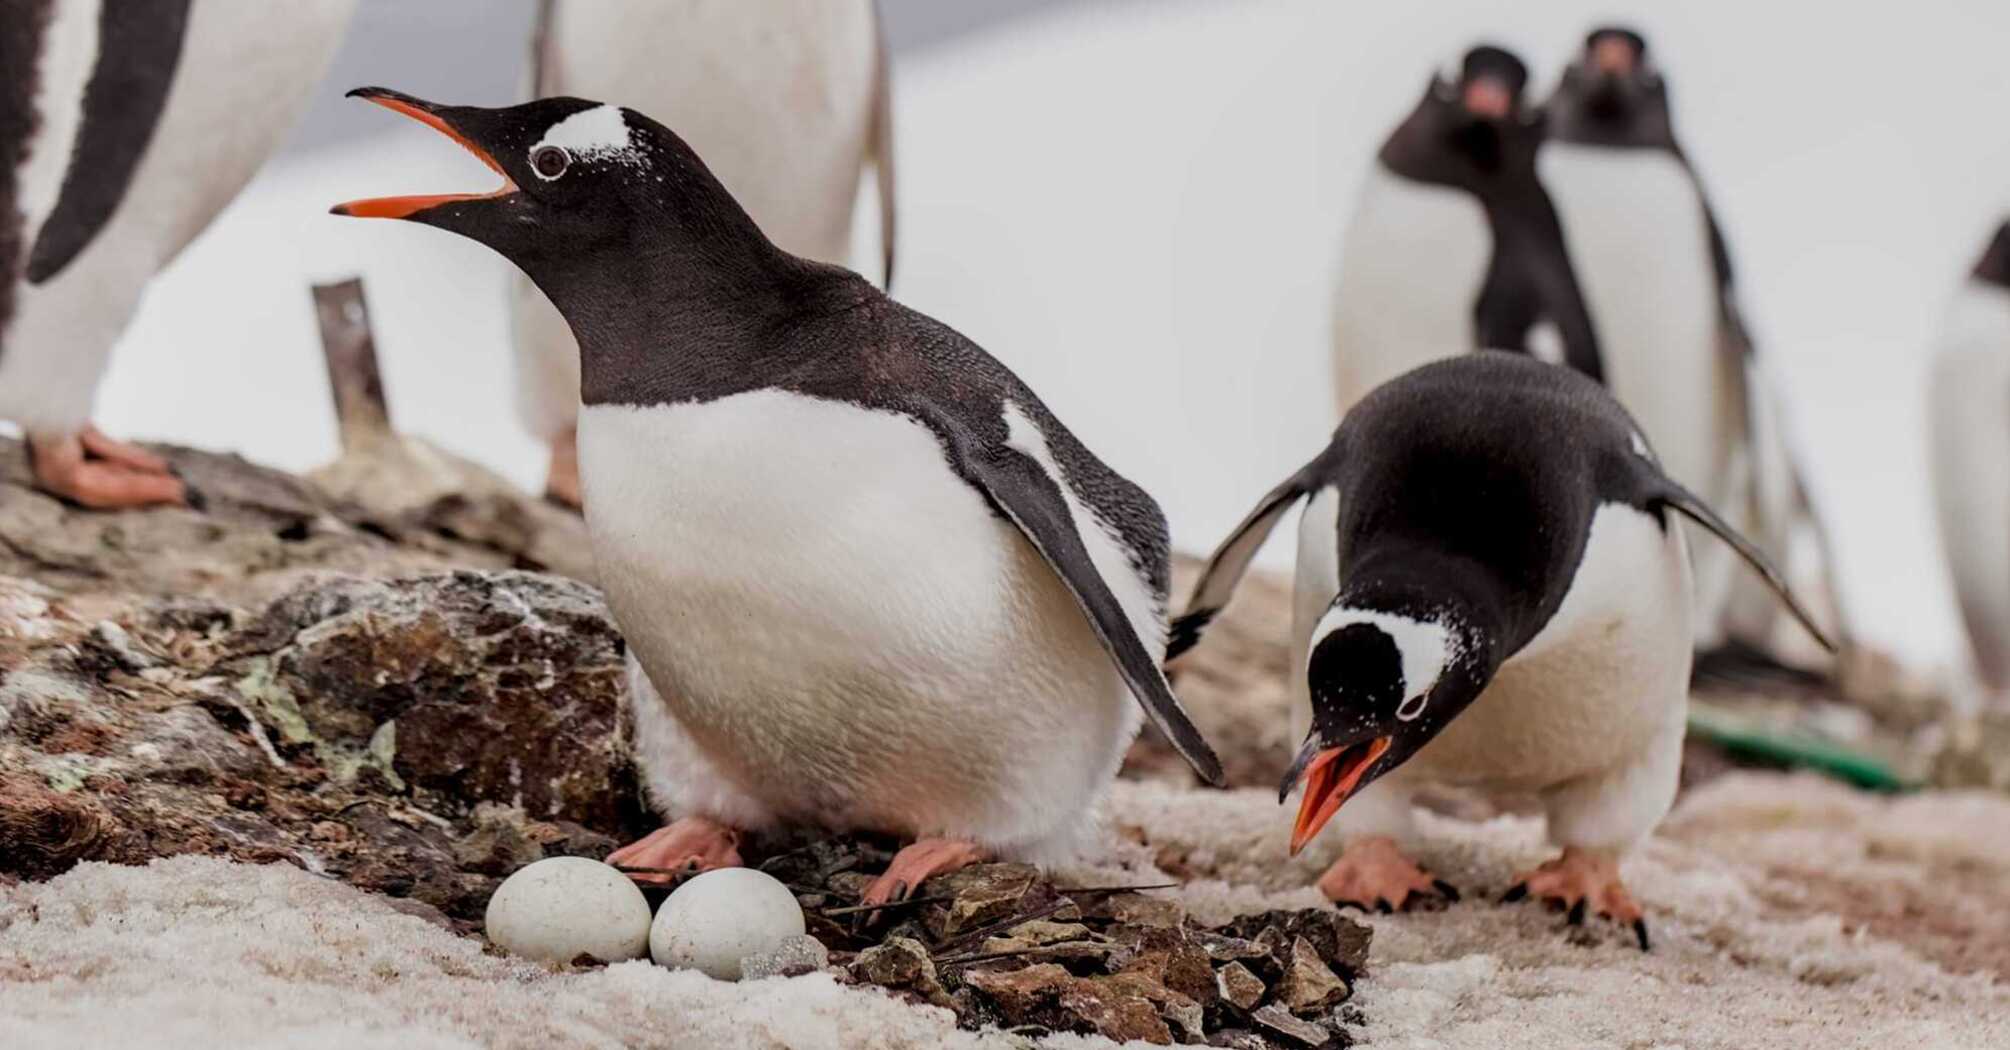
(1032, 499)
(139, 48)
(1686, 503)
(881, 146)
(1224, 570)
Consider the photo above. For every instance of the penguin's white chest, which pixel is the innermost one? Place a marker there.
(1970, 433)
(1411, 270)
(1639, 240)
(1603, 679)
(841, 624)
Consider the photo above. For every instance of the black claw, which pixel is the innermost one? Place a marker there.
(1640, 931)
(1577, 912)
(1515, 893)
(901, 890)
(1446, 890)
(1382, 905)
(1344, 905)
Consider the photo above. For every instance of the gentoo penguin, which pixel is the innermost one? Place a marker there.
(1970, 423)
(868, 581)
(787, 101)
(1657, 271)
(1478, 608)
(124, 128)
(1453, 245)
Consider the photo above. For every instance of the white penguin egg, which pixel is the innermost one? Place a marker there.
(719, 918)
(561, 908)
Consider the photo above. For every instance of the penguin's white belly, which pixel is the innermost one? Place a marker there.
(1588, 694)
(843, 626)
(1970, 422)
(1640, 243)
(244, 72)
(1411, 270)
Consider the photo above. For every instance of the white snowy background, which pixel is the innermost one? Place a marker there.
(1137, 205)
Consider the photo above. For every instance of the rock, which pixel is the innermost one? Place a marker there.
(1113, 1011)
(794, 957)
(1167, 957)
(1239, 988)
(1117, 1007)
(902, 964)
(1274, 1020)
(1308, 985)
(1026, 995)
(1341, 943)
(1140, 910)
(980, 895)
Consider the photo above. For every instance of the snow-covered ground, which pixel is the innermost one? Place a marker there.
(1137, 205)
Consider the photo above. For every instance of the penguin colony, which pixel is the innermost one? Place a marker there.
(870, 582)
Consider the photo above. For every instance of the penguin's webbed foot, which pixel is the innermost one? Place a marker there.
(684, 847)
(94, 470)
(1374, 875)
(1583, 882)
(917, 863)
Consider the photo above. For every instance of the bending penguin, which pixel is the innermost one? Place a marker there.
(1453, 245)
(1970, 436)
(124, 128)
(866, 578)
(1476, 608)
(787, 100)
(1657, 271)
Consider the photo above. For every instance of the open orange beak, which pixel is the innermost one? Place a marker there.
(1330, 779)
(404, 207)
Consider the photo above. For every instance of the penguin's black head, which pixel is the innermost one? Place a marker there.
(1471, 120)
(1614, 74)
(576, 175)
(1382, 684)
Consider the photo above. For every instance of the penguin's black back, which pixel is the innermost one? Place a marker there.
(833, 336)
(1488, 466)
(21, 33)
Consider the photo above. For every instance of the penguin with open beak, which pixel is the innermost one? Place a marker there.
(1491, 592)
(867, 580)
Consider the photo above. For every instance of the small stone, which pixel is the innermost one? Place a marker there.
(1239, 987)
(1308, 985)
(1027, 995)
(978, 896)
(1276, 1020)
(1222, 948)
(1046, 931)
(1136, 909)
(1239, 1039)
(794, 957)
(902, 964)
(1112, 1012)
(1166, 956)
(1341, 942)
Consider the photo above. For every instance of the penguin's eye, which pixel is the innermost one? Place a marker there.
(550, 161)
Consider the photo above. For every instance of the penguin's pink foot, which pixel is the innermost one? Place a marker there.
(685, 847)
(1583, 881)
(916, 863)
(1374, 875)
(561, 478)
(96, 471)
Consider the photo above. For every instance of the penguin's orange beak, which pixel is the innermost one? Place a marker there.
(403, 207)
(1331, 776)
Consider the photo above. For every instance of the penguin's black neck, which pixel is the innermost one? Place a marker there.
(1994, 266)
(1592, 114)
(684, 305)
(1439, 143)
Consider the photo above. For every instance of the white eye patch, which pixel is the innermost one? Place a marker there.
(589, 132)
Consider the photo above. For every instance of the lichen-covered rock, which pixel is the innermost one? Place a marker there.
(1275, 1020)
(980, 895)
(794, 957)
(902, 964)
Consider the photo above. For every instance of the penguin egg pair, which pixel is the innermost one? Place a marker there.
(561, 908)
